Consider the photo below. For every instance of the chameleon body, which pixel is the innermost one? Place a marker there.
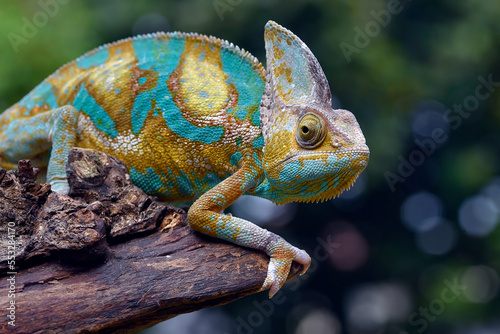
(198, 120)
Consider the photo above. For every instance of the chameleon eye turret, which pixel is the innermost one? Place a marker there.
(182, 112)
(311, 131)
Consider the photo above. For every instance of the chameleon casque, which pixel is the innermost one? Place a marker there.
(198, 120)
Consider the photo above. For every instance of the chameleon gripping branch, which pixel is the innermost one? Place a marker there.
(197, 120)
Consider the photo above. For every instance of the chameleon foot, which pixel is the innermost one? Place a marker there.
(282, 255)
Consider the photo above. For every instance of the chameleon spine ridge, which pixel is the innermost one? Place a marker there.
(224, 44)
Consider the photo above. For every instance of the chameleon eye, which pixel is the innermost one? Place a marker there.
(311, 131)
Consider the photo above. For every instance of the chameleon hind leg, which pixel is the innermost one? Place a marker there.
(204, 217)
(51, 131)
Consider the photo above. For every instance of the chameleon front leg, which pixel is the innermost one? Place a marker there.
(204, 217)
(29, 137)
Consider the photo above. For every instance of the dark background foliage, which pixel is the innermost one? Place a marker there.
(414, 247)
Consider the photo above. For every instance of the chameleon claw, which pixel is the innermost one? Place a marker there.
(277, 273)
(282, 255)
(304, 259)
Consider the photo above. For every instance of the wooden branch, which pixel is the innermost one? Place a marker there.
(109, 258)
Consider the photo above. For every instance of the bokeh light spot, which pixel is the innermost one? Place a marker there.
(492, 191)
(318, 321)
(478, 216)
(420, 210)
(481, 284)
(370, 307)
(352, 251)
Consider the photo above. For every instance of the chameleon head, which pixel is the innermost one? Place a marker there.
(312, 152)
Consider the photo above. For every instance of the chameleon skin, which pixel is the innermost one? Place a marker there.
(198, 120)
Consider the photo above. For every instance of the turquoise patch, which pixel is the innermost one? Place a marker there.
(202, 56)
(158, 54)
(290, 171)
(311, 169)
(140, 110)
(183, 185)
(248, 83)
(220, 200)
(150, 181)
(332, 159)
(258, 143)
(96, 59)
(235, 158)
(225, 228)
(86, 103)
(41, 95)
(256, 118)
(263, 189)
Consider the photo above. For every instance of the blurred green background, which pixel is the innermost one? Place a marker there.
(414, 246)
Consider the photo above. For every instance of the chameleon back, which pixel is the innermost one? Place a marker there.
(173, 107)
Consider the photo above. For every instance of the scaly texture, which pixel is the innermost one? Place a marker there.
(197, 119)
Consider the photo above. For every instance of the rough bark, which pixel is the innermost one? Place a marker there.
(108, 258)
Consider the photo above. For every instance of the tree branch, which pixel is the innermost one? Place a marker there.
(109, 258)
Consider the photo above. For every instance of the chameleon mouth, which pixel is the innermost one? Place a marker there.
(316, 176)
(331, 191)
